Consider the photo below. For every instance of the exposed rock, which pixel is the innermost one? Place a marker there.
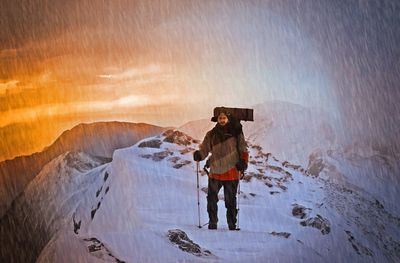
(280, 234)
(357, 246)
(161, 155)
(257, 147)
(105, 176)
(174, 159)
(247, 178)
(151, 144)
(275, 168)
(281, 186)
(268, 183)
(98, 249)
(289, 165)
(183, 163)
(187, 150)
(157, 156)
(181, 239)
(77, 225)
(299, 211)
(146, 156)
(177, 137)
(318, 222)
(315, 164)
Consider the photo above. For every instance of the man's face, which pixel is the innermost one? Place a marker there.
(222, 119)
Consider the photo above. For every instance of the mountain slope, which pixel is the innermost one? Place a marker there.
(98, 139)
(142, 207)
(47, 205)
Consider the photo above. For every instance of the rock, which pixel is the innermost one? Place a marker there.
(357, 246)
(180, 238)
(177, 137)
(299, 211)
(151, 144)
(268, 183)
(174, 159)
(280, 234)
(281, 186)
(99, 250)
(187, 150)
(247, 178)
(289, 165)
(183, 163)
(275, 168)
(318, 222)
(315, 165)
(257, 147)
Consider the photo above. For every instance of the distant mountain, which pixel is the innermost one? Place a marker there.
(292, 131)
(97, 139)
(197, 128)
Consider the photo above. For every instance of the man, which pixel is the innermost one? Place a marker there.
(229, 157)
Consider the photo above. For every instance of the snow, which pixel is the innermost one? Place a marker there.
(146, 198)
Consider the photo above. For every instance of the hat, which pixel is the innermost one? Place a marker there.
(218, 111)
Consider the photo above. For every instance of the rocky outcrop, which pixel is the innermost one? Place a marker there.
(318, 222)
(180, 238)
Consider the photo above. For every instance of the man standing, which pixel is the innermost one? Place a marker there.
(229, 157)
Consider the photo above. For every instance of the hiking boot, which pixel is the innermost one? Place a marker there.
(212, 226)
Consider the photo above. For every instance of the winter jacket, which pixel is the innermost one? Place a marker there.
(226, 145)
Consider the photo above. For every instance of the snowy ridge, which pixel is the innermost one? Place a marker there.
(97, 139)
(48, 204)
(362, 168)
(127, 211)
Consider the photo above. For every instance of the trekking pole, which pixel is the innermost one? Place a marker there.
(238, 202)
(198, 194)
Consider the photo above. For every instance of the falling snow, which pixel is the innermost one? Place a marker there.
(80, 81)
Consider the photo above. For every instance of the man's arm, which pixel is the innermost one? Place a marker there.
(205, 148)
(243, 148)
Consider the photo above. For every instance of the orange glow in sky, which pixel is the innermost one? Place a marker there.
(67, 62)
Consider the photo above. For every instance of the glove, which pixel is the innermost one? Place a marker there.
(241, 166)
(197, 156)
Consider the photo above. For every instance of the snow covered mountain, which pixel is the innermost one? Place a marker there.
(98, 139)
(362, 167)
(142, 207)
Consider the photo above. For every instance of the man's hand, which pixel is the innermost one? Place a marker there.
(241, 166)
(197, 156)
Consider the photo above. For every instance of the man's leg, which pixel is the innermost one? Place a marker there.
(230, 189)
(212, 199)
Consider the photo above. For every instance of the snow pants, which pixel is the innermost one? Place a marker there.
(230, 189)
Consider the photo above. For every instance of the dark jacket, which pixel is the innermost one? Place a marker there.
(226, 145)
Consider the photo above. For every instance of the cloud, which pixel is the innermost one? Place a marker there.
(132, 73)
(23, 115)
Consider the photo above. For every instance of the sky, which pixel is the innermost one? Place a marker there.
(169, 62)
